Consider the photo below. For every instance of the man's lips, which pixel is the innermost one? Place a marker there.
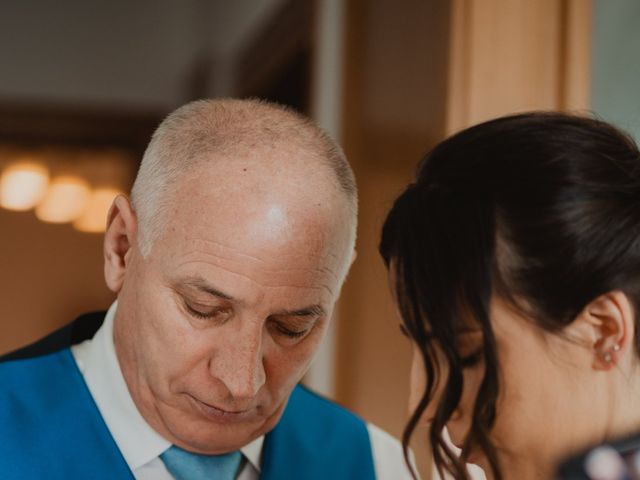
(220, 414)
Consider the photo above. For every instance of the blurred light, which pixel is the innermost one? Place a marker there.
(94, 217)
(64, 201)
(605, 463)
(635, 463)
(23, 185)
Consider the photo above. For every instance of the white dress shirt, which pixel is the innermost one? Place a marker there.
(141, 446)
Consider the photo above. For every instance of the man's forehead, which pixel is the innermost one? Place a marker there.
(245, 258)
(291, 282)
(260, 203)
(245, 218)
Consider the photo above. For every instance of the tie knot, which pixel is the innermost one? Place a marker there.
(185, 465)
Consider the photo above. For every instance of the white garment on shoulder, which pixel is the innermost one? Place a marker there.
(388, 456)
(141, 446)
(475, 472)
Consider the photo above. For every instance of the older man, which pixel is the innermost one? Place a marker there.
(227, 265)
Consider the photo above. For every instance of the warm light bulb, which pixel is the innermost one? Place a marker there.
(23, 185)
(94, 217)
(64, 201)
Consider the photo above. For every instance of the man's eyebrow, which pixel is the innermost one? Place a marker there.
(310, 311)
(202, 285)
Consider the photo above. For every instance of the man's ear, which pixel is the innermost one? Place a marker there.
(120, 237)
(608, 325)
(354, 255)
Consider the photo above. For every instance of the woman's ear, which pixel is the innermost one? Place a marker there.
(608, 323)
(119, 239)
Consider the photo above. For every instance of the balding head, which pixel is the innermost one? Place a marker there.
(211, 134)
(228, 268)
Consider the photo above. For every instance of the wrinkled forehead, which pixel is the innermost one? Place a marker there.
(289, 195)
(293, 175)
(251, 211)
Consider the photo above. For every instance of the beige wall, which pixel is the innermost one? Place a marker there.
(394, 101)
(50, 274)
(515, 55)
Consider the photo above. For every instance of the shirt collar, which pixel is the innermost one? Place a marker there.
(138, 442)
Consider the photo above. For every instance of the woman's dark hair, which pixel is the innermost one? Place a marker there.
(540, 209)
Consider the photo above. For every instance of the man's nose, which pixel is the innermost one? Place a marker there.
(240, 365)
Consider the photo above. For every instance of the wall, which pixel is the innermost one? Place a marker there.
(616, 63)
(394, 111)
(138, 54)
(133, 54)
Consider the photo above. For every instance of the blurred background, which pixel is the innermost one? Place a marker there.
(84, 84)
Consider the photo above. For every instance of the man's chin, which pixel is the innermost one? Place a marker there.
(216, 433)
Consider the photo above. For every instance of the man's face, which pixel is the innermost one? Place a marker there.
(219, 322)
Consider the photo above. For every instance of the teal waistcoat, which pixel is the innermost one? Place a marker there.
(50, 428)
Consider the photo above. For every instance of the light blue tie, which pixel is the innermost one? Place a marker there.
(185, 465)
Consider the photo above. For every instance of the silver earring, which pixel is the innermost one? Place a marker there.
(606, 356)
(616, 348)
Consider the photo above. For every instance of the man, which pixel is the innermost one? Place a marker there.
(227, 265)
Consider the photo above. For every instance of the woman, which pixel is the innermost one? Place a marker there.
(515, 262)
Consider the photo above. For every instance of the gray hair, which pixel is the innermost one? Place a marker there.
(199, 130)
